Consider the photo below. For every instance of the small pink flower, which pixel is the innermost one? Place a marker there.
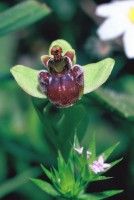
(88, 154)
(99, 166)
(79, 150)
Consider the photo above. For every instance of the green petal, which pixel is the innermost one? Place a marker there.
(27, 79)
(96, 74)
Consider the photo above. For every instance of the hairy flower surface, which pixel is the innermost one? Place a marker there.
(63, 83)
(99, 166)
(120, 21)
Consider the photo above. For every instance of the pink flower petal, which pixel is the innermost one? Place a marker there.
(106, 165)
(101, 160)
(94, 168)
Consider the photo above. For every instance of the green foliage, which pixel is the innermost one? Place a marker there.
(71, 178)
(46, 187)
(120, 103)
(22, 15)
(109, 112)
(17, 181)
(101, 195)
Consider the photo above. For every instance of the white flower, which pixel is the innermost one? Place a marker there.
(99, 166)
(120, 21)
(79, 150)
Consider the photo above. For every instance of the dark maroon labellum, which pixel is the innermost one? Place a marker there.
(63, 83)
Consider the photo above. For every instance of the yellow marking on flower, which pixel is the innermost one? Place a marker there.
(131, 15)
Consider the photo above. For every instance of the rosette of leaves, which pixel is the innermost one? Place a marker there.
(71, 178)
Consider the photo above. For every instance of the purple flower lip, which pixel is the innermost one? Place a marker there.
(63, 83)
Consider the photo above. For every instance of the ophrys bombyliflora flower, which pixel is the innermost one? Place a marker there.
(63, 83)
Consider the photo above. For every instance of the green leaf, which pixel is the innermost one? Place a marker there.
(101, 195)
(76, 141)
(108, 152)
(114, 163)
(96, 74)
(100, 178)
(64, 45)
(46, 187)
(27, 79)
(47, 172)
(22, 15)
(92, 147)
(119, 103)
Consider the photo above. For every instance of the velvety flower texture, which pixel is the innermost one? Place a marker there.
(119, 21)
(63, 83)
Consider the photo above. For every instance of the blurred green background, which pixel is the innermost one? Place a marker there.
(25, 141)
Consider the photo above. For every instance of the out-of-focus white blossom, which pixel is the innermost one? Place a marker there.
(119, 21)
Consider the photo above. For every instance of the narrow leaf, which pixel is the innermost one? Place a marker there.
(27, 79)
(101, 195)
(108, 152)
(101, 178)
(22, 15)
(92, 148)
(115, 163)
(96, 74)
(76, 141)
(121, 104)
(46, 187)
(47, 172)
(64, 45)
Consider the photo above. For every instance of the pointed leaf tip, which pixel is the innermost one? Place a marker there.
(46, 187)
(27, 79)
(96, 74)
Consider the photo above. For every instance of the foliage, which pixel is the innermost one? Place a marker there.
(71, 178)
(27, 139)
